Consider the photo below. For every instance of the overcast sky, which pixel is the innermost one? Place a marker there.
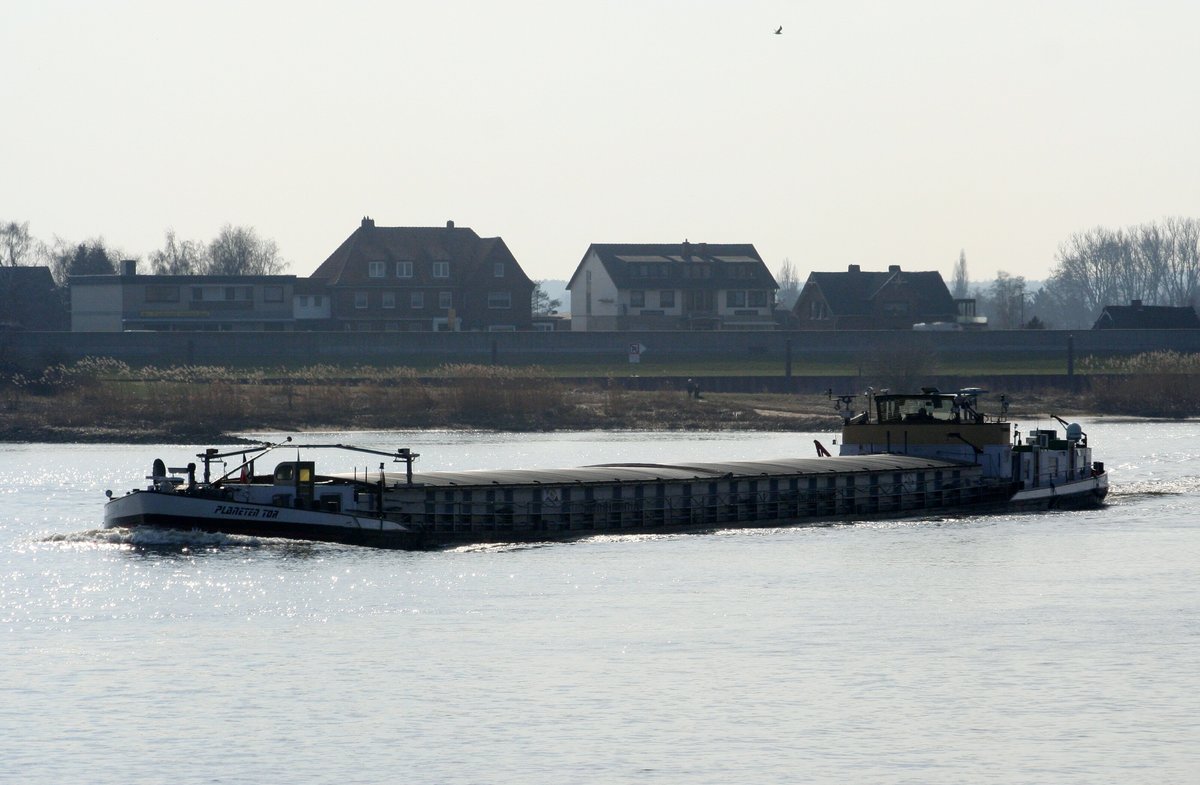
(868, 132)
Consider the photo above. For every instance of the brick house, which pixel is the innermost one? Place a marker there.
(424, 279)
(682, 286)
(860, 300)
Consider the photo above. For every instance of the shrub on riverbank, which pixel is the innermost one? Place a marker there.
(105, 400)
(1155, 384)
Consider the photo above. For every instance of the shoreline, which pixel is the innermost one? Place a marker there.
(113, 420)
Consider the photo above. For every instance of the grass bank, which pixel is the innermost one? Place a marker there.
(105, 400)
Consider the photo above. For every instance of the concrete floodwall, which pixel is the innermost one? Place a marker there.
(38, 349)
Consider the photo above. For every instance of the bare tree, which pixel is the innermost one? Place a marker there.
(17, 246)
(1181, 278)
(541, 302)
(240, 251)
(1156, 263)
(1007, 300)
(789, 285)
(178, 258)
(962, 282)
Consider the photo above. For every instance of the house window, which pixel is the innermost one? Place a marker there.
(895, 309)
(302, 300)
(375, 270)
(417, 300)
(318, 300)
(389, 300)
(404, 269)
(817, 310)
(666, 298)
(360, 299)
(441, 269)
(637, 298)
(756, 298)
(735, 298)
(498, 269)
(445, 300)
(272, 294)
(162, 294)
(499, 300)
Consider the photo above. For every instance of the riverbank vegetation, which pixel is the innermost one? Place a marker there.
(100, 399)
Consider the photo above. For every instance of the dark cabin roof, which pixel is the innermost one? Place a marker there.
(1136, 316)
(420, 244)
(851, 293)
(670, 263)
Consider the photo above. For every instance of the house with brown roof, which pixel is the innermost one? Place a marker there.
(425, 278)
(1137, 316)
(679, 286)
(861, 300)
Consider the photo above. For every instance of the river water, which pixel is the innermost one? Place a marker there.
(1044, 648)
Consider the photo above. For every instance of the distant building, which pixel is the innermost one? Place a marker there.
(425, 278)
(682, 286)
(892, 300)
(128, 301)
(1136, 316)
(29, 300)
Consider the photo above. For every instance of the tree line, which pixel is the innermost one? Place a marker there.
(236, 250)
(1157, 263)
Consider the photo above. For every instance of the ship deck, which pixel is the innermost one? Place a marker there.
(681, 472)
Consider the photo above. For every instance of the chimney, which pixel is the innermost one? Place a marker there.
(128, 267)
(854, 268)
(368, 223)
(893, 268)
(687, 248)
(449, 224)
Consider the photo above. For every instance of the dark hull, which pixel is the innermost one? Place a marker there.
(283, 529)
(288, 524)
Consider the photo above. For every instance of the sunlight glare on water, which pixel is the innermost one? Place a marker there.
(1055, 647)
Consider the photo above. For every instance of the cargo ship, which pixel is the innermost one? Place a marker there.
(903, 455)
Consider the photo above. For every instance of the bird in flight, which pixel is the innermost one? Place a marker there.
(779, 30)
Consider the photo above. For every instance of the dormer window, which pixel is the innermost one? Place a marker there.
(404, 269)
(441, 269)
(498, 269)
(375, 269)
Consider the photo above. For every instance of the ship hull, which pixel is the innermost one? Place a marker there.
(423, 517)
(179, 511)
